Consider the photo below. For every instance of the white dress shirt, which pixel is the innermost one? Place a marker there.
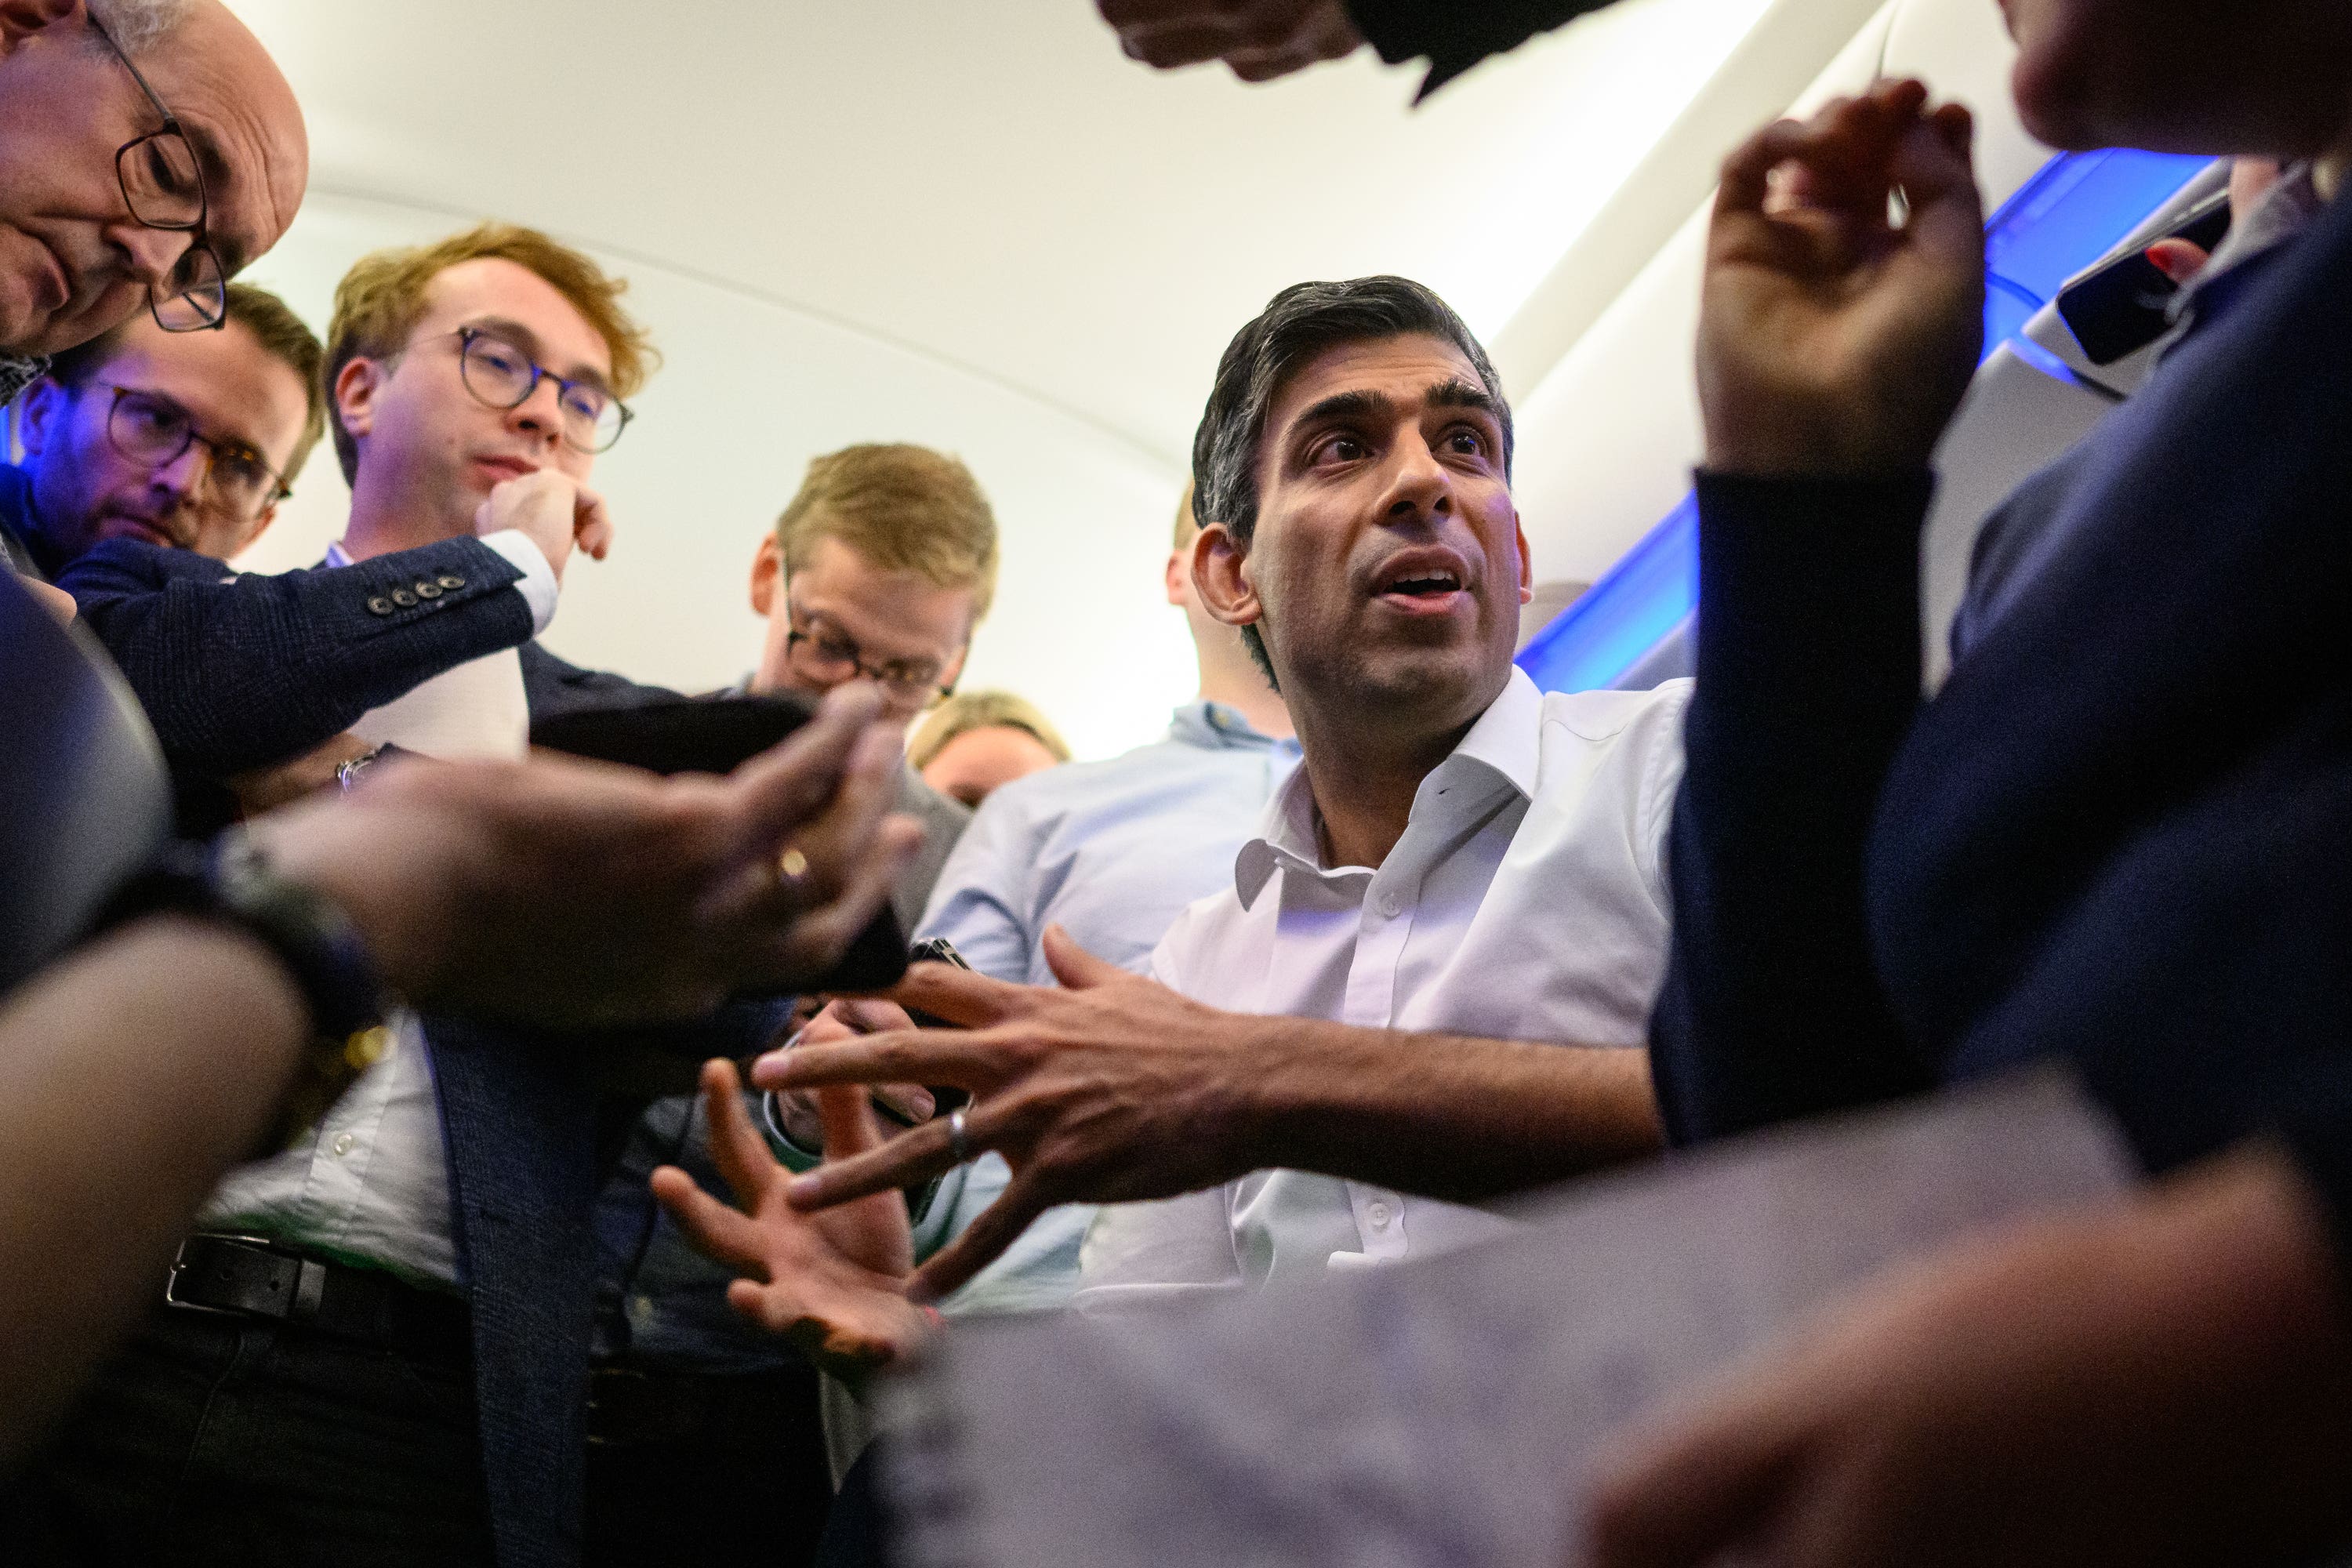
(370, 1184)
(1526, 900)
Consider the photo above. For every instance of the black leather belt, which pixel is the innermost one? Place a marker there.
(249, 1276)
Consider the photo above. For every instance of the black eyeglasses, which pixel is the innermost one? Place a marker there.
(163, 185)
(503, 377)
(151, 430)
(825, 656)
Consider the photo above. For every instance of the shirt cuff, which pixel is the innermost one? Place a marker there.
(539, 588)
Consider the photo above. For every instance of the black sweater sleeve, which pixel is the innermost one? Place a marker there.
(1455, 35)
(1808, 678)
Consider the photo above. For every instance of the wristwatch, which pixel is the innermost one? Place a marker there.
(231, 881)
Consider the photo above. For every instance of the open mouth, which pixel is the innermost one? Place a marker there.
(1420, 588)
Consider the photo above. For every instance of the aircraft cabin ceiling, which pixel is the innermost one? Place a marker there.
(979, 228)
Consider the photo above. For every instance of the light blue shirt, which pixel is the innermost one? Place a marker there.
(1112, 852)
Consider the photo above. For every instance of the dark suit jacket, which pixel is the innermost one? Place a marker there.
(2118, 835)
(239, 671)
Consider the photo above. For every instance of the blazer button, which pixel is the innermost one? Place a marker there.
(451, 581)
(428, 590)
(379, 605)
(402, 597)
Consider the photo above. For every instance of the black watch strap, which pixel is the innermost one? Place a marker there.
(231, 880)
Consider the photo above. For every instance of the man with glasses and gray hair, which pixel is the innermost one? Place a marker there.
(149, 148)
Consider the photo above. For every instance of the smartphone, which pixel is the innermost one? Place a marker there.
(2120, 305)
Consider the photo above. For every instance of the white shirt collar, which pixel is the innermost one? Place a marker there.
(1507, 742)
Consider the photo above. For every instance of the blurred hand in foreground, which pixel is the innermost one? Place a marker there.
(1259, 39)
(564, 892)
(2165, 1381)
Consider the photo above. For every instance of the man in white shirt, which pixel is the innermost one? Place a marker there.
(1431, 976)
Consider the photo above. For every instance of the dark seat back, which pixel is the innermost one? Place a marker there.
(84, 797)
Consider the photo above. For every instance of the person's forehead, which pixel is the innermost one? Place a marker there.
(242, 122)
(490, 289)
(1403, 369)
(201, 370)
(839, 581)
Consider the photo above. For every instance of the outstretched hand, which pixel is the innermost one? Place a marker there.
(834, 1284)
(1111, 1087)
(1834, 341)
(564, 892)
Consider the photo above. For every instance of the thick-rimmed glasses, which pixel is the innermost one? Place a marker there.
(152, 431)
(827, 655)
(503, 377)
(163, 185)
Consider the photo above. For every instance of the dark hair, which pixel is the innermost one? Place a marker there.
(1296, 324)
(273, 323)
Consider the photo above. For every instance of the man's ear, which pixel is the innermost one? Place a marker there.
(356, 387)
(1527, 563)
(43, 412)
(1178, 578)
(1220, 577)
(23, 19)
(767, 572)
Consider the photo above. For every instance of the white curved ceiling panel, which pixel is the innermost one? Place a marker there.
(974, 225)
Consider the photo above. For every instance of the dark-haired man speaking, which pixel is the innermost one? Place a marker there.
(1435, 960)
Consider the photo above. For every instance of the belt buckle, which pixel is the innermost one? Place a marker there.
(310, 1276)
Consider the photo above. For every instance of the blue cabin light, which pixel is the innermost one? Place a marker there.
(2074, 210)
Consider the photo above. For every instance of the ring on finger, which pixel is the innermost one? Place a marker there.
(959, 1134)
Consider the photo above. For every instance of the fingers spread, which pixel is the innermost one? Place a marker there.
(913, 1156)
(958, 995)
(904, 1056)
(715, 1231)
(743, 1156)
(1073, 966)
(997, 1227)
(849, 1118)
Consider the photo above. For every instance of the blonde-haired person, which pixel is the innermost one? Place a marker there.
(975, 741)
(470, 385)
(441, 1211)
(881, 566)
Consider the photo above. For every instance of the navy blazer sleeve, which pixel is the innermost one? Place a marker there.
(1455, 35)
(240, 671)
(1808, 680)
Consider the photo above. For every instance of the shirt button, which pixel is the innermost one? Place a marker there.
(379, 605)
(641, 1309)
(341, 1145)
(402, 597)
(1379, 1215)
(428, 590)
(1391, 904)
(450, 580)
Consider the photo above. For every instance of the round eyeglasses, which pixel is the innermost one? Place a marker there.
(502, 376)
(153, 431)
(163, 185)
